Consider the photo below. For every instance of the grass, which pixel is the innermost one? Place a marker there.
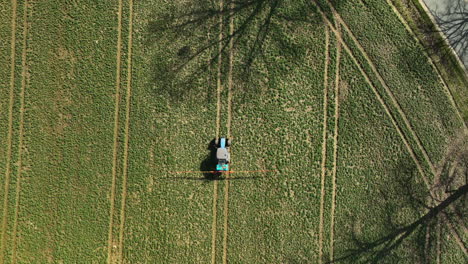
(62, 210)
(93, 189)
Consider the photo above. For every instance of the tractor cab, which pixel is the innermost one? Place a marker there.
(222, 154)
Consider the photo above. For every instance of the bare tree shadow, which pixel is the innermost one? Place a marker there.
(403, 191)
(189, 33)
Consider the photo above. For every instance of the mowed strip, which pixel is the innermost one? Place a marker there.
(24, 83)
(379, 97)
(10, 129)
(324, 146)
(127, 132)
(228, 125)
(335, 146)
(218, 124)
(110, 256)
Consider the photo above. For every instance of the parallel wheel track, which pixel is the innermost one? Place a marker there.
(324, 146)
(335, 149)
(10, 129)
(127, 132)
(394, 102)
(24, 83)
(229, 121)
(379, 98)
(218, 124)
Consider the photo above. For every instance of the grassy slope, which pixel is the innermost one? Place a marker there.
(68, 133)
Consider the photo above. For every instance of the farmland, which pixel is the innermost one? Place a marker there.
(102, 103)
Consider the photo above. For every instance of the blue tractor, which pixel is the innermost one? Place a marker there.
(222, 154)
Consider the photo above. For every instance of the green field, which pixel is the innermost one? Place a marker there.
(102, 102)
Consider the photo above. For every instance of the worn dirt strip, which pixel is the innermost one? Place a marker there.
(229, 118)
(335, 147)
(431, 62)
(127, 132)
(24, 83)
(379, 98)
(218, 124)
(116, 134)
(10, 129)
(324, 146)
(387, 89)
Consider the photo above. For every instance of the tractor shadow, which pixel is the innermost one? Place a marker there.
(209, 163)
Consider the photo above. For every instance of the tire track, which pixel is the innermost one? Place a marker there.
(335, 148)
(24, 83)
(10, 129)
(430, 60)
(127, 132)
(379, 98)
(116, 134)
(218, 123)
(324, 146)
(386, 88)
(229, 119)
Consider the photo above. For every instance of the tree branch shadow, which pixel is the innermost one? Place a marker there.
(189, 33)
(404, 191)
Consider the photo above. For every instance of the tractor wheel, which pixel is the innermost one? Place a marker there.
(228, 143)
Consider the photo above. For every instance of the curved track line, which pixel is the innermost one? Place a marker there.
(387, 89)
(430, 60)
(229, 118)
(10, 129)
(324, 146)
(335, 148)
(218, 124)
(21, 129)
(379, 98)
(116, 132)
(127, 128)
